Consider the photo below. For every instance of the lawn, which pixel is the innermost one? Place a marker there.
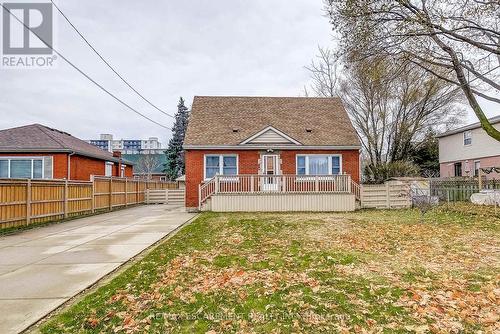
(368, 271)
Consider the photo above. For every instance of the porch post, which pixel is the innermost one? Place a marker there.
(199, 196)
(252, 181)
(216, 184)
(284, 183)
(316, 184)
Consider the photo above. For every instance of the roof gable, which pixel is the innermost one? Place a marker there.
(270, 135)
(222, 121)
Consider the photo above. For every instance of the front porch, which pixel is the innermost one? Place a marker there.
(266, 193)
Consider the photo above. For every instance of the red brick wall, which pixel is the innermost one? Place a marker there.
(447, 169)
(117, 171)
(129, 171)
(248, 163)
(83, 167)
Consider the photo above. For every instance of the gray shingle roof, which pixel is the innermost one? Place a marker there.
(40, 138)
(213, 119)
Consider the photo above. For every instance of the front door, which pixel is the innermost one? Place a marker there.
(270, 166)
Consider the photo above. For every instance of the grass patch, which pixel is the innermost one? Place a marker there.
(377, 271)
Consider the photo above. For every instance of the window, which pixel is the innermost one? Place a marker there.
(477, 165)
(319, 164)
(336, 167)
(467, 137)
(221, 165)
(301, 165)
(26, 167)
(4, 168)
(109, 169)
(458, 169)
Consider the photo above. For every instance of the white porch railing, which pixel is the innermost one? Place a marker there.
(239, 184)
(206, 190)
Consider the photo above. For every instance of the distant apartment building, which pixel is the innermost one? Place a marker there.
(464, 150)
(128, 146)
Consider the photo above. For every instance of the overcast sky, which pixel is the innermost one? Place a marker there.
(166, 49)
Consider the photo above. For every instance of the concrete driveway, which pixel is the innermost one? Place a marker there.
(42, 268)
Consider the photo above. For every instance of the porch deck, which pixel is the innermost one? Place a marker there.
(254, 193)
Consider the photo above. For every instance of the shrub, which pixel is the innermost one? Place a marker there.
(380, 173)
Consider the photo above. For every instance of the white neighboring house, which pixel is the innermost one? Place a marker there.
(464, 150)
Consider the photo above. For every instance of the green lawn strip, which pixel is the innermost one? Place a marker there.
(262, 272)
(137, 278)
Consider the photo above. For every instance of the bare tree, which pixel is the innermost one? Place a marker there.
(457, 41)
(393, 105)
(324, 73)
(147, 164)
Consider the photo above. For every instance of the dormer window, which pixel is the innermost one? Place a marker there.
(235, 130)
(308, 130)
(467, 138)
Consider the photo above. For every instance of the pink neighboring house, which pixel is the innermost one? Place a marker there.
(464, 150)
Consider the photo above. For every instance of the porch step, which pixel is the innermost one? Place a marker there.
(207, 205)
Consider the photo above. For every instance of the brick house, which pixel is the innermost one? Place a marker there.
(464, 150)
(39, 152)
(270, 146)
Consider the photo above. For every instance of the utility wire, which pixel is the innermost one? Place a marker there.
(107, 63)
(83, 73)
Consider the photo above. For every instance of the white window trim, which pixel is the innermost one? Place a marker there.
(318, 155)
(32, 158)
(463, 137)
(108, 163)
(221, 166)
(278, 163)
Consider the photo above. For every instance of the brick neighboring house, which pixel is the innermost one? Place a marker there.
(39, 152)
(268, 136)
(464, 150)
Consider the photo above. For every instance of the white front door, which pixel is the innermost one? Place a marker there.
(270, 166)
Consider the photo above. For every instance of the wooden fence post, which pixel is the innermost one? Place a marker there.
(93, 193)
(66, 195)
(110, 193)
(136, 192)
(126, 191)
(28, 202)
(388, 194)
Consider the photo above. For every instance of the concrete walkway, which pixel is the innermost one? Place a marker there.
(42, 268)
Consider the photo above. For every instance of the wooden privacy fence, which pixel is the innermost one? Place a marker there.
(390, 195)
(25, 202)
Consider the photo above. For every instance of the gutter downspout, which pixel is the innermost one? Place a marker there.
(69, 165)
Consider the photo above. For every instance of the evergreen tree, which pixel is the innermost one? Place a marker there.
(175, 153)
(426, 154)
